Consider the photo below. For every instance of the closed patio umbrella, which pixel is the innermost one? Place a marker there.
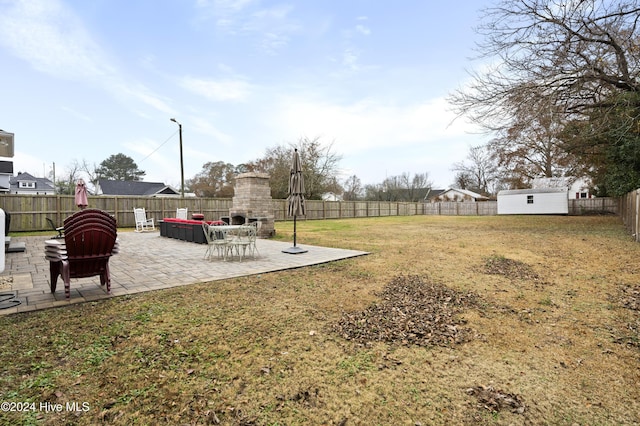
(81, 194)
(295, 200)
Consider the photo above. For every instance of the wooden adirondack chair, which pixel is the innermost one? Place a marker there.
(53, 227)
(89, 236)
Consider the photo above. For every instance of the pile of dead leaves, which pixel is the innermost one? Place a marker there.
(411, 312)
(496, 400)
(629, 298)
(513, 269)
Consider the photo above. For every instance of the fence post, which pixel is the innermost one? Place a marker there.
(58, 210)
(637, 214)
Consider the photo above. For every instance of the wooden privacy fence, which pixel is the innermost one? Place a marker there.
(29, 212)
(630, 212)
(453, 208)
(317, 209)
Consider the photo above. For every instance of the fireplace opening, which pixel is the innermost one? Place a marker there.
(238, 219)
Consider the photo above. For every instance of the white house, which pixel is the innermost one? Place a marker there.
(25, 183)
(330, 196)
(576, 187)
(533, 201)
(6, 173)
(464, 195)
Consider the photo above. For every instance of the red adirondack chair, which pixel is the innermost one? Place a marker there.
(89, 237)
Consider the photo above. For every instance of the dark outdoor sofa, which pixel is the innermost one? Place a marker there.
(185, 229)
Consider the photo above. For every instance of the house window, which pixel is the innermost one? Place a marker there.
(583, 195)
(27, 184)
(529, 199)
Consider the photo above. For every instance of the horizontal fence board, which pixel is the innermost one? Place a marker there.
(29, 212)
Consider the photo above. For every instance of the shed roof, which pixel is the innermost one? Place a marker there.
(532, 191)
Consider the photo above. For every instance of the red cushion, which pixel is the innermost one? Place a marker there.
(191, 221)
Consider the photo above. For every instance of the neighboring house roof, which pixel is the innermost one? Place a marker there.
(433, 193)
(135, 187)
(39, 184)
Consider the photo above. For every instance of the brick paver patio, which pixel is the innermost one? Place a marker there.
(146, 262)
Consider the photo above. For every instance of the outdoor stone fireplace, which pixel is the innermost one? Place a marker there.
(252, 203)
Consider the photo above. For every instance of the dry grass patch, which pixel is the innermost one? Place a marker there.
(263, 350)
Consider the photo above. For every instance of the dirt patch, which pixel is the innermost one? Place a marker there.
(411, 312)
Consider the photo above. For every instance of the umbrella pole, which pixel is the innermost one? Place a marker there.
(294, 230)
(295, 249)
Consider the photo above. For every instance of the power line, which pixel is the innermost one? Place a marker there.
(161, 145)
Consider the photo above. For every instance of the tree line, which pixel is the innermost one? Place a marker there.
(320, 165)
(558, 95)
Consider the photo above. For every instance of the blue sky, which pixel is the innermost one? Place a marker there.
(86, 79)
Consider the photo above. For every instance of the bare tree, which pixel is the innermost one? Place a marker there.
(532, 147)
(576, 52)
(478, 172)
(91, 171)
(552, 63)
(375, 192)
(418, 187)
(66, 182)
(320, 164)
(404, 187)
(319, 167)
(352, 188)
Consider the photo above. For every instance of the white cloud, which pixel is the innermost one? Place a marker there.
(218, 90)
(270, 26)
(271, 42)
(142, 94)
(77, 114)
(204, 126)
(363, 30)
(369, 123)
(23, 162)
(53, 40)
(350, 59)
(279, 13)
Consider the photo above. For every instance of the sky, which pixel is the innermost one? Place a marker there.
(82, 80)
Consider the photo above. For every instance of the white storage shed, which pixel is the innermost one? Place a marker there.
(533, 201)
